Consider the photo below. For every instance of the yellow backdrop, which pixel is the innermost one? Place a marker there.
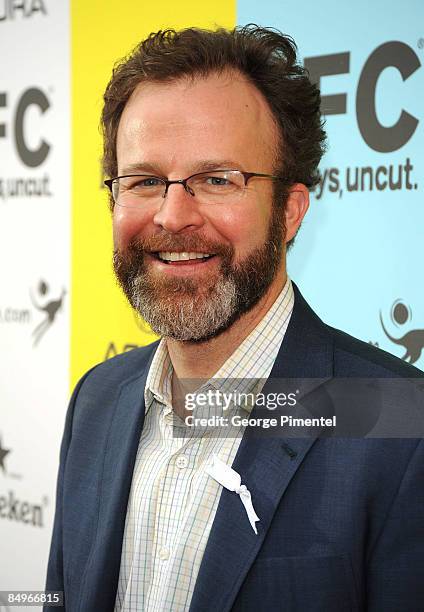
(102, 324)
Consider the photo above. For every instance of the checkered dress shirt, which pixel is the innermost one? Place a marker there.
(173, 502)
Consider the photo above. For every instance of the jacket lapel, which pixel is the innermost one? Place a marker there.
(102, 571)
(266, 465)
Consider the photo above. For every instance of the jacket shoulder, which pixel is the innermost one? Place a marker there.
(353, 357)
(96, 395)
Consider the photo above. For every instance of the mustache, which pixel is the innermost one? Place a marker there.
(165, 241)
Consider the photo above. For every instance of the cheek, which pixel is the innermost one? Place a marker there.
(127, 223)
(244, 228)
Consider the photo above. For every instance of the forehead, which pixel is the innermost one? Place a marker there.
(220, 116)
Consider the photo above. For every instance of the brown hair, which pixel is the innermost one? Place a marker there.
(265, 56)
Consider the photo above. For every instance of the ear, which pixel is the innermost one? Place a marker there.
(296, 207)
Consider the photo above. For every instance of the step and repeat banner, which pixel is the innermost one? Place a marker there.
(358, 257)
(35, 206)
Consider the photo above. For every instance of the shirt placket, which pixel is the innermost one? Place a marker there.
(174, 486)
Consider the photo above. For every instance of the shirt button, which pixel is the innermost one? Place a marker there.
(164, 554)
(181, 461)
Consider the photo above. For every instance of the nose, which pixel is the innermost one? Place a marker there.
(178, 211)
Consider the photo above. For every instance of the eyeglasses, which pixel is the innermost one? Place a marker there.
(215, 186)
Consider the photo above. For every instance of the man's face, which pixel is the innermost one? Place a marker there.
(175, 130)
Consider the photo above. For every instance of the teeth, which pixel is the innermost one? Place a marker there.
(184, 256)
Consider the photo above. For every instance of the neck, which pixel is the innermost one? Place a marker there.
(201, 360)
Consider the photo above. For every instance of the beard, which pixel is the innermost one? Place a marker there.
(198, 309)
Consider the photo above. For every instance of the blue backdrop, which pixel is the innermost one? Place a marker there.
(358, 257)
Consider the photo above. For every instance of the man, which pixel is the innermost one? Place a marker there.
(212, 141)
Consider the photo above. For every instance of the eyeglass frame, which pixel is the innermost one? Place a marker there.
(246, 175)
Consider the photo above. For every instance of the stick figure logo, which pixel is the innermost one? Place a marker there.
(413, 340)
(49, 307)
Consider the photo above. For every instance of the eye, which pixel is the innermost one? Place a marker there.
(147, 182)
(217, 181)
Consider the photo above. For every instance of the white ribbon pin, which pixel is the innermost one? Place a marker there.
(231, 480)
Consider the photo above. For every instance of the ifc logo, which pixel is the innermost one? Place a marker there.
(31, 157)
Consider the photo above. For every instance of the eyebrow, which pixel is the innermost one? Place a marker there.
(200, 166)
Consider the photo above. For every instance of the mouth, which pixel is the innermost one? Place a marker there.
(182, 257)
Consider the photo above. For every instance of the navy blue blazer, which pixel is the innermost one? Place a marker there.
(341, 520)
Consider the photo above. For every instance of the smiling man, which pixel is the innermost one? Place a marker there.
(212, 142)
(194, 256)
